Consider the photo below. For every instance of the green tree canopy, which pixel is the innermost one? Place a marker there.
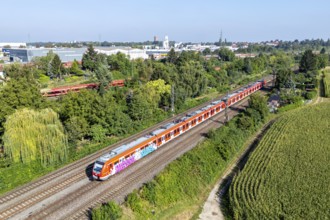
(283, 78)
(35, 135)
(104, 77)
(172, 56)
(259, 103)
(90, 59)
(323, 60)
(226, 55)
(56, 65)
(17, 71)
(18, 93)
(308, 62)
(75, 69)
(121, 63)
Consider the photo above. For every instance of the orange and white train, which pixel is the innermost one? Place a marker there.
(123, 156)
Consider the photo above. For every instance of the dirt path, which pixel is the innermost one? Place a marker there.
(211, 209)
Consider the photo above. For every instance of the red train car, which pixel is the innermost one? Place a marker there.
(76, 88)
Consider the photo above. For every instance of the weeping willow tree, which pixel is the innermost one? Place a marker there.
(35, 135)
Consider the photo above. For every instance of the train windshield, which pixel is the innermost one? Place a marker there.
(98, 166)
(97, 169)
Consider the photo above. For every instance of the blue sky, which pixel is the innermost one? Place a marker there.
(181, 20)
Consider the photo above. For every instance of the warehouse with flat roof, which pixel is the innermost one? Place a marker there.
(26, 55)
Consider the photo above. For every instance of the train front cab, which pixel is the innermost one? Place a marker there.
(97, 170)
(102, 170)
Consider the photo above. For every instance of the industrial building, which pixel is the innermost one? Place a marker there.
(26, 55)
(132, 53)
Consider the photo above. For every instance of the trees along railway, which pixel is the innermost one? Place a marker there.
(26, 198)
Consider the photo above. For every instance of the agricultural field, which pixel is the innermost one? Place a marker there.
(288, 175)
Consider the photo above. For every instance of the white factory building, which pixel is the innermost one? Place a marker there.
(132, 53)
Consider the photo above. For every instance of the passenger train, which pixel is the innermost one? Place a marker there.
(123, 156)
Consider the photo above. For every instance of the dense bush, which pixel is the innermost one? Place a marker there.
(310, 95)
(109, 211)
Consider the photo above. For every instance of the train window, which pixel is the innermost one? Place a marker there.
(127, 156)
(116, 162)
(159, 140)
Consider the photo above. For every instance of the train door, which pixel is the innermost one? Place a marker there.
(152, 145)
(121, 159)
(137, 154)
(111, 170)
(172, 134)
(159, 141)
(176, 132)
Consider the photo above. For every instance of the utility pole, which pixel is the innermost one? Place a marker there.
(220, 40)
(274, 77)
(226, 109)
(172, 99)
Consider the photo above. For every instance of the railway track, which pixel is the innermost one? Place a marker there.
(29, 195)
(132, 176)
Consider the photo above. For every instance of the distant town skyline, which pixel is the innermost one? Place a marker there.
(186, 21)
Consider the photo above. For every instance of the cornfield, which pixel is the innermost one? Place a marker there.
(288, 175)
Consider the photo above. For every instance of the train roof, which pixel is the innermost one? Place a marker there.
(169, 125)
(184, 118)
(216, 102)
(137, 141)
(192, 114)
(158, 131)
(206, 107)
(121, 149)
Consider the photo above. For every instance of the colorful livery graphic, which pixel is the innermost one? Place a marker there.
(123, 156)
